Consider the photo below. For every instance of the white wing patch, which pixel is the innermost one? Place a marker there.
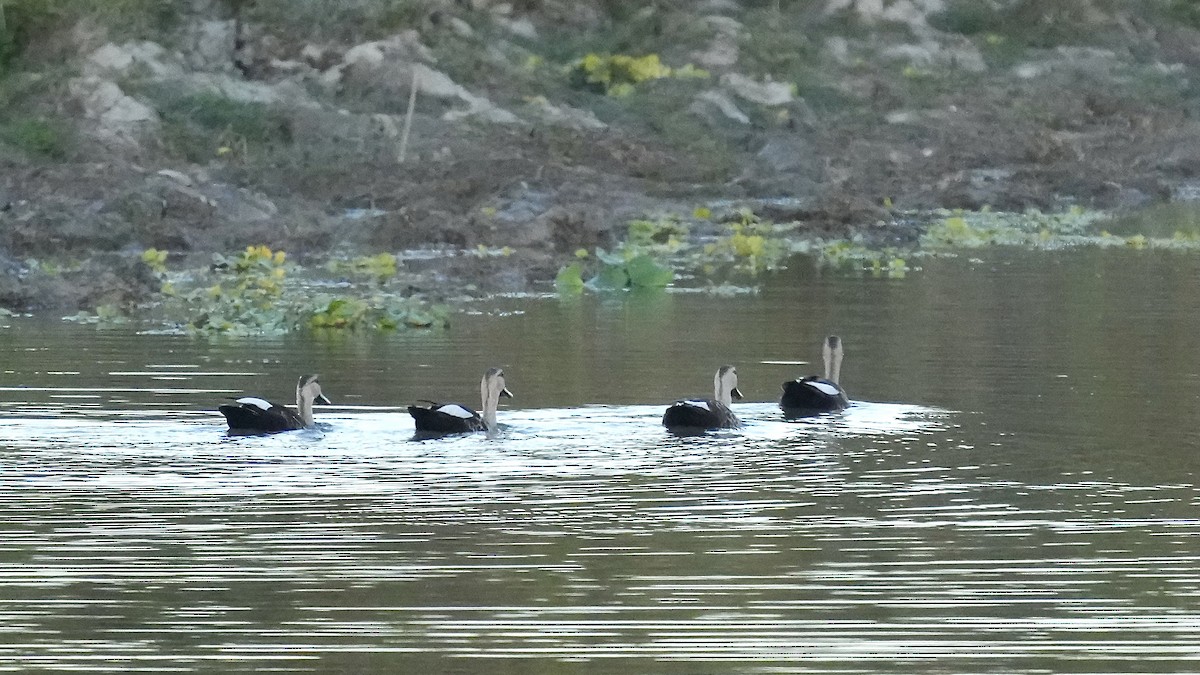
(256, 402)
(824, 388)
(698, 404)
(456, 410)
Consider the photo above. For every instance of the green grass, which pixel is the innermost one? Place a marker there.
(198, 126)
(37, 136)
(351, 22)
(28, 21)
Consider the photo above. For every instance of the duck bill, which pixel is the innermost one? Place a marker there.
(506, 393)
(737, 395)
(321, 399)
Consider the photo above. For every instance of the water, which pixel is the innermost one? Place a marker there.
(1014, 490)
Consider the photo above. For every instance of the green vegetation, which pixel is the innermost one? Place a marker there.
(989, 228)
(199, 126)
(1186, 12)
(325, 20)
(627, 269)
(377, 268)
(24, 22)
(258, 292)
(751, 244)
(654, 247)
(617, 74)
(36, 136)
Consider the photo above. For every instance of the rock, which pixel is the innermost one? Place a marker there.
(103, 279)
(439, 85)
(177, 176)
(964, 55)
(572, 228)
(787, 164)
(719, 7)
(838, 49)
(789, 154)
(209, 45)
(404, 47)
(913, 13)
(767, 92)
(522, 28)
(564, 115)
(1125, 197)
(392, 65)
(718, 99)
(288, 92)
(1186, 191)
(114, 117)
(144, 58)
(722, 51)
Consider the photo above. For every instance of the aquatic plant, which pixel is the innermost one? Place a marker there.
(381, 312)
(962, 229)
(751, 244)
(610, 271)
(667, 232)
(259, 292)
(854, 255)
(378, 268)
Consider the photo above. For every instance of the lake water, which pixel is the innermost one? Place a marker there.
(1014, 489)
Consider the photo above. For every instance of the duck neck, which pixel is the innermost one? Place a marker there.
(831, 369)
(304, 404)
(491, 400)
(721, 393)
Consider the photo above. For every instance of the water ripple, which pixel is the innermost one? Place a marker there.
(879, 539)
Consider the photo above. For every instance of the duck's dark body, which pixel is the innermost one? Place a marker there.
(706, 414)
(433, 419)
(248, 414)
(811, 396)
(252, 414)
(446, 418)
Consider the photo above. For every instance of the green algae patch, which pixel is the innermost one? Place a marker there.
(1032, 229)
(258, 291)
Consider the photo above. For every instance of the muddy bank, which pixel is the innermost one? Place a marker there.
(227, 131)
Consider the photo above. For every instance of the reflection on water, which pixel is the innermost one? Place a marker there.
(1028, 508)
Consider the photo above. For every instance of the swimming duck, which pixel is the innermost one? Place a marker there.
(456, 418)
(812, 395)
(256, 414)
(713, 413)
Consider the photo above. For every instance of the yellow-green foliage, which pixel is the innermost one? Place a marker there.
(617, 74)
(963, 229)
(379, 267)
(752, 243)
(666, 232)
(155, 259)
(255, 292)
(257, 279)
(845, 254)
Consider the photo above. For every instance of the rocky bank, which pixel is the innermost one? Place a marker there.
(232, 123)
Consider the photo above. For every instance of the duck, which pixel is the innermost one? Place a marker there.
(713, 413)
(260, 415)
(455, 418)
(813, 395)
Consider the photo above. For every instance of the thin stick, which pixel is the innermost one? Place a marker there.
(412, 103)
